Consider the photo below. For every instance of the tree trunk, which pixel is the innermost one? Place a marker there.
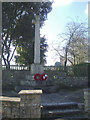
(65, 64)
(74, 60)
(8, 67)
(65, 58)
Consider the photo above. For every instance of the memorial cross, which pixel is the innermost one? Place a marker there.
(37, 39)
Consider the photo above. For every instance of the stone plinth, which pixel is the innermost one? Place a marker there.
(30, 103)
(87, 101)
(37, 68)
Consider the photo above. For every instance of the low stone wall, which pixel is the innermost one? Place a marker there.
(87, 101)
(27, 106)
(74, 82)
(10, 107)
(19, 80)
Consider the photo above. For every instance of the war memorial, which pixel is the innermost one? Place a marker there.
(43, 92)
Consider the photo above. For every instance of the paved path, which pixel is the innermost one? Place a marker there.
(63, 96)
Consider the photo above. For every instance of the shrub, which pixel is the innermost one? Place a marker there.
(80, 69)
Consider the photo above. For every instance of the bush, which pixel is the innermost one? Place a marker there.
(80, 69)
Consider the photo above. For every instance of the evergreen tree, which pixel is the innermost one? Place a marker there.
(14, 15)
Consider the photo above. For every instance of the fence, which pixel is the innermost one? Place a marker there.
(22, 67)
(16, 67)
(70, 70)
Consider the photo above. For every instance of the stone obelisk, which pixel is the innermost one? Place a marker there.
(37, 67)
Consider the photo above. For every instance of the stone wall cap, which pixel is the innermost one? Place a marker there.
(88, 89)
(9, 99)
(30, 92)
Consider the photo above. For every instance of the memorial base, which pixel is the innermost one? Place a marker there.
(37, 68)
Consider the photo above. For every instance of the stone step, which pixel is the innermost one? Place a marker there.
(67, 109)
(67, 118)
(61, 113)
(59, 106)
(75, 118)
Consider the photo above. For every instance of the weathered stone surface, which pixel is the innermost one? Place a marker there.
(37, 68)
(28, 92)
(22, 80)
(87, 101)
(30, 103)
(10, 107)
(11, 79)
(37, 40)
(27, 106)
(8, 99)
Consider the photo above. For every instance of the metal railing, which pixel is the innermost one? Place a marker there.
(16, 67)
(78, 71)
(21, 67)
(53, 67)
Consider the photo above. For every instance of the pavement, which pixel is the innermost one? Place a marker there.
(64, 95)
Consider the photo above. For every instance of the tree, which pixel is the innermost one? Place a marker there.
(75, 43)
(43, 49)
(8, 23)
(24, 37)
(26, 53)
(12, 15)
(25, 50)
(58, 52)
(78, 50)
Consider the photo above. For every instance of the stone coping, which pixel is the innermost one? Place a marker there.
(30, 92)
(9, 99)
